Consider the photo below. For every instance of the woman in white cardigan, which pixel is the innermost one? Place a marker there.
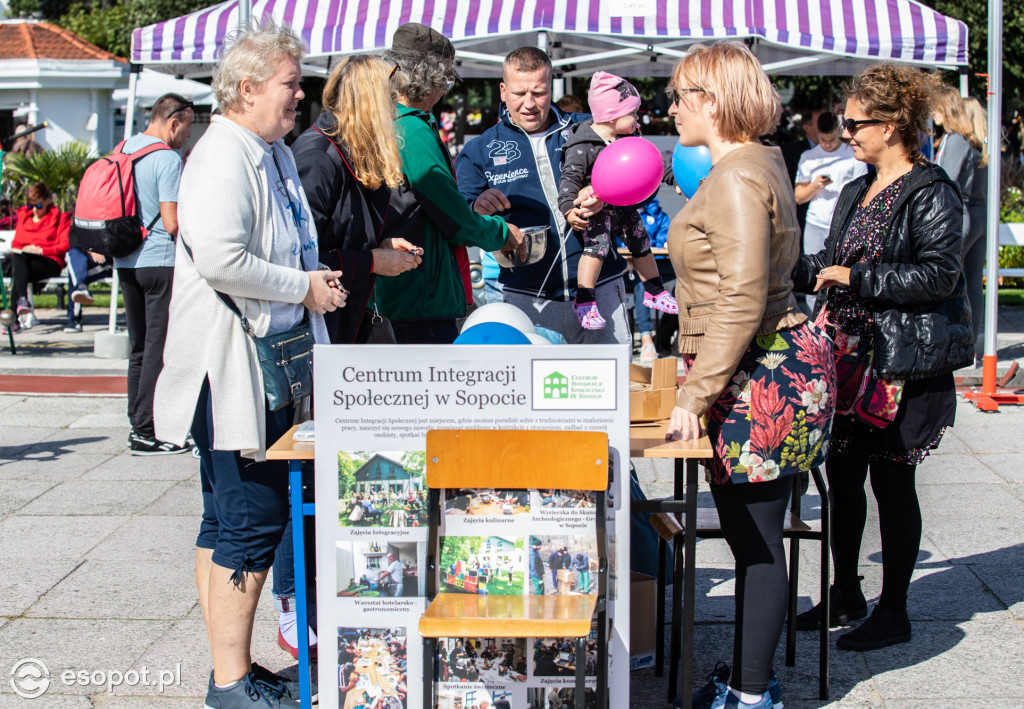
(245, 231)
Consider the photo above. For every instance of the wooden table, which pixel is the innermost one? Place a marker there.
(296, 452)
(377, 655)
(648, 441)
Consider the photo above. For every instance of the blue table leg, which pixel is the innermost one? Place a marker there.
(299, 513)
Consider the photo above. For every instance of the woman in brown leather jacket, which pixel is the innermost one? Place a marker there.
(761, 374)
(893, 288)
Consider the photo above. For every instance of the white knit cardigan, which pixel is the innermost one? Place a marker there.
(222, 215)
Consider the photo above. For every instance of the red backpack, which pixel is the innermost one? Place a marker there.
(106, 219)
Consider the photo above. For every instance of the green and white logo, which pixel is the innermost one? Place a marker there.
(556, 386)
(580, 384)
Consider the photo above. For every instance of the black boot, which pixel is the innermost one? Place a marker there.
(845, 605)
(885, 627)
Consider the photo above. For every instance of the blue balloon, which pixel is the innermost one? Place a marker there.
(492, 333)
(690, 166)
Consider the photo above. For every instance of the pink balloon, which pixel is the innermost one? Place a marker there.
(627, 172)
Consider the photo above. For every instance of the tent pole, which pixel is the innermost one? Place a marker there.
(964, 88)
(244, 13)
(989, 399)
(129, 129)
(995, 132)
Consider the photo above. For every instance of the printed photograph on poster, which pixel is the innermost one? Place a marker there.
(463, 695)
(385, 568)
(556, 657)
(567, 499)
(382, 489)
(371, 668)
(484, 565)
(557, 697)
(489, 660)
(562, 564)
(494, 503)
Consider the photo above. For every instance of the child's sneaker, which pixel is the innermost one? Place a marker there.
(589, 316)
(24, 307)
(663, 302)
(728, 700)
(15, 327)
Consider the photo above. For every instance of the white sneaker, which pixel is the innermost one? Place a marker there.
(28, 320)
(83, 296)
(288, 633)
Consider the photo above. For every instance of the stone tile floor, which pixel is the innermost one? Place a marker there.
(96, 570)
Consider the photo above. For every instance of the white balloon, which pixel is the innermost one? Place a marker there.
(536, 339)
(503, 313)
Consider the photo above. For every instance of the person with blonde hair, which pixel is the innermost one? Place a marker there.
(957, 149)
(246, 268)
(893, 296)
(761, 374)
(349, 164)
(977, 208)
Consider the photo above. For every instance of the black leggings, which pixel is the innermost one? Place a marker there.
(30, 268)
(899, 521)
(752, 517)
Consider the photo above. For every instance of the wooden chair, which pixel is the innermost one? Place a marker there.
(709, 526)
(518, 460)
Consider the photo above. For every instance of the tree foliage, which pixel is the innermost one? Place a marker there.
(975, 16)
(459, 549)
(105, 23)
(347, 467)
(61, 169)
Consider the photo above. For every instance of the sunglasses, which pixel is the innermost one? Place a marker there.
(37, 205)
(851, 125)
(449, 85)
(677, 94)
(188, 106)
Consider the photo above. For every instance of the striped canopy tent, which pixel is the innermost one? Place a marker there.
(630, 37)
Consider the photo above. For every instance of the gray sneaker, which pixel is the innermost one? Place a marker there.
(291, 686)
(250, 692)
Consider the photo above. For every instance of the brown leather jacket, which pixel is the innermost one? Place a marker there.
(733, 248)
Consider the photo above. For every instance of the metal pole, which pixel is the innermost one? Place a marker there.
(129, 128)
(244, 13)
(995, 110)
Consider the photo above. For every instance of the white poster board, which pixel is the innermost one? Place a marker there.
(374, 405)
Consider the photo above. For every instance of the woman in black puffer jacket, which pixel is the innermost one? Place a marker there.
(891, 283)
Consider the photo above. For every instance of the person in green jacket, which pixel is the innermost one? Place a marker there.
(423, 304)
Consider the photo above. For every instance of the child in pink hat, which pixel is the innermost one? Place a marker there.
(613, 104)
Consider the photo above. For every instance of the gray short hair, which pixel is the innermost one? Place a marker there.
(420, 74)
(253, 53)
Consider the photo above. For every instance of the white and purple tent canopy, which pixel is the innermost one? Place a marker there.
(631, 37)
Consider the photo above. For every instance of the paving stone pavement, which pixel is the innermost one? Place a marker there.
(96, 571)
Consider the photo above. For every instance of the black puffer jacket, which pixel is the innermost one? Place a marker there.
(918, 292)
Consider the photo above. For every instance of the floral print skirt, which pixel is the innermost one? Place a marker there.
(775, 416)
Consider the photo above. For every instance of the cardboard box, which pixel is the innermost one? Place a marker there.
(642, 632)
(652, 390)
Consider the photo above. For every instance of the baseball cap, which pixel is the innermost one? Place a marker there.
(415, 37)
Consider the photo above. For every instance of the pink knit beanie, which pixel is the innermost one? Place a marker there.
(611, 97)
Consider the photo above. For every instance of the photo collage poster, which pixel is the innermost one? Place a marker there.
(374, 405)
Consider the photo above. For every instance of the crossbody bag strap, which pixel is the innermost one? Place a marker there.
(228, 300)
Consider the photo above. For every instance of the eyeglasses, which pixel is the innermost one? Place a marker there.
(187, 106)
(851, 125)
(449, 85)
(676, 94)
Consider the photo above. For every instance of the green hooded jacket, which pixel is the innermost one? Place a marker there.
(434, 290)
